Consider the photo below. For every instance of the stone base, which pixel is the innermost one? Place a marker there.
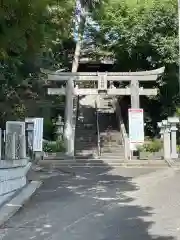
(174, 156)
(12, 177)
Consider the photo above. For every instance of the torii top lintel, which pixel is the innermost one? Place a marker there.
(151, 75)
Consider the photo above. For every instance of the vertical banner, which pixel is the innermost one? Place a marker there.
(136, 127)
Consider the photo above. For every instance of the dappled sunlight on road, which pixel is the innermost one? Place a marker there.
(94, 204)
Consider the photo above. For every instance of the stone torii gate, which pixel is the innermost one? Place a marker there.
(72, 89)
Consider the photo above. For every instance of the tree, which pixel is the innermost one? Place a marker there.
(141, 36)
(30, 31)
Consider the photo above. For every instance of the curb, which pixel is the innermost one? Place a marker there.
(10, 208)
(69, 167)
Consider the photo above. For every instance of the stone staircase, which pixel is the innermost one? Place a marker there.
(86, 140)
(86, 130)
(112, 149)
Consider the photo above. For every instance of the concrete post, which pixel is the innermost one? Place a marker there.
(174, 154)
(166, 141)
(22, 147)
(173, 122)
(68, 128)
(135, 94)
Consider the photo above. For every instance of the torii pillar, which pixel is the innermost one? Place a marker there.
(135, 101)
(68, 127)
(136, 77)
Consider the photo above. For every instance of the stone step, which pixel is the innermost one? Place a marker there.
(109, 138)
(112, 155)
(113, 149)
(91, 162)
(85, 133)
(81, 128)
(85, 139)
(113, 146)
(108, 153)
(85, 147)
(85, 136)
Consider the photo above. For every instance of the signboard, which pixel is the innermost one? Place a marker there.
(37, 130)
(136, 127)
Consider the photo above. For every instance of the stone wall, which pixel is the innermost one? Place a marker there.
(12, 177)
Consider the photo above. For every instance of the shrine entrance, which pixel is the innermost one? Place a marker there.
(98, 83)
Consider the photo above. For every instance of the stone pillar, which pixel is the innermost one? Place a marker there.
(173, 122)
(68, 128)
(174, 154)
(22, 147)
(134, 94)
(10, 148)
(166, 141)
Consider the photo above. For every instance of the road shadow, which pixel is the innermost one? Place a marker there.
(92, 204)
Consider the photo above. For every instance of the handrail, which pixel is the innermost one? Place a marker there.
(98, 131)
(124, 135)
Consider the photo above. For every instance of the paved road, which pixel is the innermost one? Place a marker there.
(97, 204)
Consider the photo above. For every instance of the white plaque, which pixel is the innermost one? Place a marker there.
(38, 135)
(136, 127)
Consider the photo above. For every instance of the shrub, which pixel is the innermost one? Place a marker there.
(53, 147)
(151, 146)
(178, 148)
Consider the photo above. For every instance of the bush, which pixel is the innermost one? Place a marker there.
(178, 148)
(53, 147)
(151, 146)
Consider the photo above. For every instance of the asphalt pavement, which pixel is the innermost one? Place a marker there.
(100, 204)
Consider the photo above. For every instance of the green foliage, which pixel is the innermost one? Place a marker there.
(53, 147)
(178, 148)
(151, 146)
(33, 34)
(143, 35)
(49, 129)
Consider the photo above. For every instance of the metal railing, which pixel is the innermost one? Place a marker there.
(98, 131)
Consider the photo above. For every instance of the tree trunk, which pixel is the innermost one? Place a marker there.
(69, 135)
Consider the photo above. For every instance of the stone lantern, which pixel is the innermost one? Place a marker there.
(60, 128)
(173, 121)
